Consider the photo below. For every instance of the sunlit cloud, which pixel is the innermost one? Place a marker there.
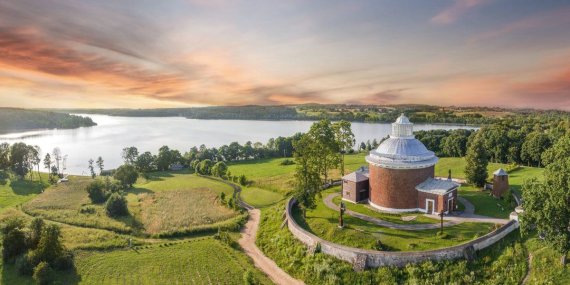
(455, 10)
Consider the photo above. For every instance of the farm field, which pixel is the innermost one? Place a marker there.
(163, 203)
(323, 222)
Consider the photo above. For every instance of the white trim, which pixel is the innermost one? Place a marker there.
(349, 201)
(393, 210)
(436, 193)
(433, 208)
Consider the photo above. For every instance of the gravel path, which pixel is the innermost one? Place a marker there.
(247, 242)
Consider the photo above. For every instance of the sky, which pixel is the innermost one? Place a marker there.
(185, 53)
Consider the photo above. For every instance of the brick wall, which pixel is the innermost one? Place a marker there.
(396, 188)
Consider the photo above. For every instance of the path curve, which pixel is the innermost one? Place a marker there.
(247, 242)
(328, 200)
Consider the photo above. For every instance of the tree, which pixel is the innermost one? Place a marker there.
(100, 164)
(307, 178)
(220, 169)
(164, 158)
(533, 147)
(130, 155)
(4, 155)
(326, 155)
(35, 233)
(13, 239)
(92, 168)
(242, 180)
(345, 140)
(43, 273)
(47, 164)
(56, 155)
(116, 206)
(205, 167)
(145, 162)
(34, 160)
(547, 206)
(96, 191)
(560, 150)
(476, 162)
(19, 159)
(127, 175)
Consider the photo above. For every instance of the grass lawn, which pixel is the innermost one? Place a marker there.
(15, 192)
(484, 203)
(393, 218)
(163, 203)
(323, 222)
(194, 261)
(457, 166)
(258, 197)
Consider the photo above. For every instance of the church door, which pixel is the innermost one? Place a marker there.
(430, 205)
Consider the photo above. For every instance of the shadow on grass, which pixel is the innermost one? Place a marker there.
(139, 190)
(10, 275)
(26, 187)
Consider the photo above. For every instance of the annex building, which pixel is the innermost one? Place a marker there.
(400, 176)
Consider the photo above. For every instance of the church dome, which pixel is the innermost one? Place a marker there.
(402, 149)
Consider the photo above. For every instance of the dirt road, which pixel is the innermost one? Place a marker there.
(247, 242)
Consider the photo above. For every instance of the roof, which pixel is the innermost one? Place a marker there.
(437, 186)
(500, 172)
(402, 149)
(357, 176)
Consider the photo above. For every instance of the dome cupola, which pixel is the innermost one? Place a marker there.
(402, 150)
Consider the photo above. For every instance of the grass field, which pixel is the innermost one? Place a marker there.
(194, 261)
(484, 203)
(457, 166)
(259, 197)
(163, 203)
(323, 222)
(15, 192)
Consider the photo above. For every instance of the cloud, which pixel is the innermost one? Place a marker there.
(544, 20)
(456, 10)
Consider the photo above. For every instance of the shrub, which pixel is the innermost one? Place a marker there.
(36, 228)
(88, 210)
(223, 197)
(287, 162)
(64, 261)
(13, 239)
(242, 180)
(116, 206)
(43, 274)
(220, 169)
(24, 265)
(224, 237)
(127, 175)
(96, 191)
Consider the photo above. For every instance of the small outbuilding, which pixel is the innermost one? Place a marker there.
(500, 183)
(355, 186)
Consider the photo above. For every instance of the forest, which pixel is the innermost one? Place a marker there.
(12, 119)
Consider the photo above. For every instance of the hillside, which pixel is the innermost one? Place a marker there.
(12, 119)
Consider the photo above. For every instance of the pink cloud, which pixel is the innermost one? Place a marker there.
(453, 12)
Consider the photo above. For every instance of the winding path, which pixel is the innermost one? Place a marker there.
(467, 216)
(247, 242)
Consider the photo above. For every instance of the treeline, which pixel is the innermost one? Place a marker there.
(22, 159)
(12, 119)
(354, 113)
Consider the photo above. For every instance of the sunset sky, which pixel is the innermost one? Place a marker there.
(148, 53)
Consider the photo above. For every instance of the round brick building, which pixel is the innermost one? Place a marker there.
(400, 176)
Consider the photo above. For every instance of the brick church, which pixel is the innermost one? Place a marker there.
(400, 177)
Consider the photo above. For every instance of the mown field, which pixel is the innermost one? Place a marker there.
(163, 203)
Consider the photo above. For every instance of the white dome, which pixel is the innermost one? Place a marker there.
(402, 149)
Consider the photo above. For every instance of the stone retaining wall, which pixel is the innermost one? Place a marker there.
(362, 258)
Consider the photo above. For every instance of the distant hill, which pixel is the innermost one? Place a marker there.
(355, 113)
(12, 119)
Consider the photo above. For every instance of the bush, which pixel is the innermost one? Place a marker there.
(64, 261)
(88, 210)
(127, 175)
(116, 206)
(242, 180)
(43, 274)
(224, 237)
(96, 191)
(24, 265)
(13, 239)
(287, 162)
(248, 278)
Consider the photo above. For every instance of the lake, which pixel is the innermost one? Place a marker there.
(112, 134)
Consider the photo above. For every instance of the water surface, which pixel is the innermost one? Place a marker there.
(112, 134)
